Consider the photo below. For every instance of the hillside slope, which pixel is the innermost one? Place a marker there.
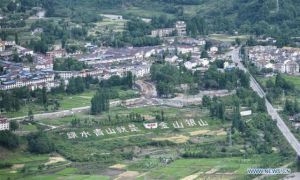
(246, 16)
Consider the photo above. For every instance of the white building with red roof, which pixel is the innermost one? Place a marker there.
(4, 124)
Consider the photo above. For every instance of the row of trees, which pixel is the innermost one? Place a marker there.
(100, 102)
(275, 89)
(167, 77)
(214, 79)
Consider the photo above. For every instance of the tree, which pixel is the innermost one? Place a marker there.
(129, 79)
(237, 122)
(76, 85)
(298, 163)
(162, 114)
(16, 38)
(44, 98)
(100, 102)
(30, 115)
(14, 125)
(238, 41)
(40, 143)
(208, 45)
(261, 105)
(251, 41)
(204, 54)
(206, 101)
(12, 6)
(9, 139)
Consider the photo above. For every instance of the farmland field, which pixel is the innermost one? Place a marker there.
(147, 153)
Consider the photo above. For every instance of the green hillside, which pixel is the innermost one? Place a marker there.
(255, 16)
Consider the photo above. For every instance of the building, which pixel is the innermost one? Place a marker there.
(214, 49)
(33, 81)
(180, 27)
(56, 53)
(65, 75)
(291, 67)
(4, 124)
(112, 16)
(162, 32)
(171, 59)
(2, 46)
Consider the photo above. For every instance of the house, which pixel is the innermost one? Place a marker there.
(141, 71)
(291, 67)
(2, 46)
(112, 16)
(190, 64)
(246, 113)
(280, 67)
(228, 65)
(146, 20)
(37, 30)
(214, 49)
(204, 62)
(269, 66)
(187, 49)
(171, 59)
(56, 53)
(9, 44)
(4, 124)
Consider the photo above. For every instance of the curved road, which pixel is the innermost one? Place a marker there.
(271, 110)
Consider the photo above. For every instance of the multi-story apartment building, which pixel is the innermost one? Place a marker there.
(4, 124)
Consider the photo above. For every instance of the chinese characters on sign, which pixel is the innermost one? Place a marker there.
(133, 128)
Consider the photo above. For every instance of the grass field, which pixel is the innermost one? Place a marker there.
(139, 152)
(69, 102)
(68, 177)
(293, 79)
(227, 38)
(227, 168)
(107, 25)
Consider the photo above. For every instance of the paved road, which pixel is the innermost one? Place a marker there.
(272, 112)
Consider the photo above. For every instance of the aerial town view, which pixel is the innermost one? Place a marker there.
(149, 89)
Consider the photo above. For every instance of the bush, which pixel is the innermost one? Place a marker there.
(40, 143)
(9, 140)
(5, 165)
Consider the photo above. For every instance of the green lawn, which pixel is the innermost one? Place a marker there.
(69, 102)
(227, 38)
(68, 177)
(237, 166)
(293, 79)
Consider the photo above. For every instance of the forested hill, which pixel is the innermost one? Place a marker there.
(246, 16)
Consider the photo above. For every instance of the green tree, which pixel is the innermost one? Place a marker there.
(14, 125)
(16, 38)
(100, 102)
(9, 139)
(129, 79)
(206, 101)
(30, 115)
(261, 105)
(204, 54)
(40, 143)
